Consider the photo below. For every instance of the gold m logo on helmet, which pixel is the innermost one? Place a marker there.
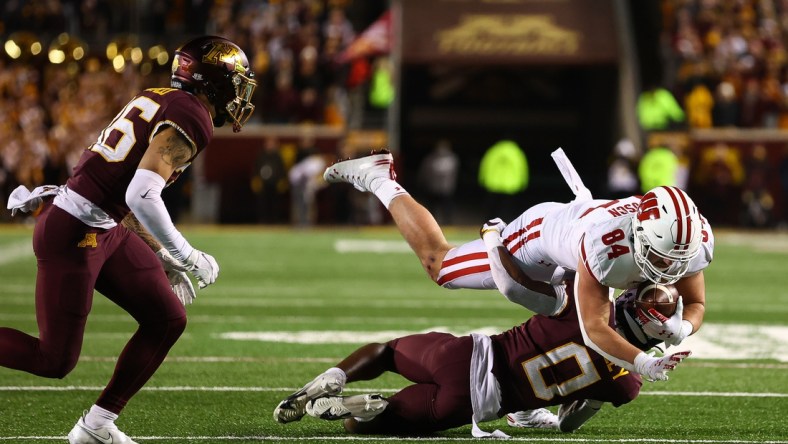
(224, 53)
(88, 241)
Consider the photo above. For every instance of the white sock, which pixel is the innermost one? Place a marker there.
(386, 190)
(338, 373)
(98, 417)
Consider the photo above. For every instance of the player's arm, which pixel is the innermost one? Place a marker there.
(167, 151)
(132, 223)
(593, 314)
(179, 281)
(693, 292)
(512, 282)
(593, 310)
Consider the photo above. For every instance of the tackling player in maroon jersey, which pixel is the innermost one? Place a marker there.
(469, 379)
(107, 229)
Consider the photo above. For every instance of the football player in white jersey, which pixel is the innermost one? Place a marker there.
(606, 244)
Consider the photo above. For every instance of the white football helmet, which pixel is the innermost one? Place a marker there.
(667, 229)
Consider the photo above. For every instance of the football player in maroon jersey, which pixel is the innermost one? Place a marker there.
(469, 379)
(107, 229)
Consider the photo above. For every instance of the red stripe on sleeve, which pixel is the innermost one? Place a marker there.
(464, 258)
(518, 245)
(534, 223)
(464, 272)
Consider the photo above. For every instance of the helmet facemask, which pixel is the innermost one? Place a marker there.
(646, 255)
(239, 108)
(667, 235)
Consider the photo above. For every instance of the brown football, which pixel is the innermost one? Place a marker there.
(663, 298)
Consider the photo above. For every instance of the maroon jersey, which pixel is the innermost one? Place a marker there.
(544, 362)
(106, 168)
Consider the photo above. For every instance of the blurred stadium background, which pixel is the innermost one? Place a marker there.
(597, 78)
(701, 83)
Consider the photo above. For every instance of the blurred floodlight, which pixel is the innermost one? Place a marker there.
(12, 49)
(159, 54)
(23, 44)
(57, 56)
(66, 48)
(136, 55)
(119, 63)
(112, 50)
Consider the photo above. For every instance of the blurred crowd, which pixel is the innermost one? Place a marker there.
(51, 112)
(727, 61)
(726, 66)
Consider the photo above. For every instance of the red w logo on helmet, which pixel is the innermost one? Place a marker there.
(649, 207)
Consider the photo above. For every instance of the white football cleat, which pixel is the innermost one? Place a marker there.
(362, 171)
(82, 434)
(533, 419)
(361, 407)
(293, 408)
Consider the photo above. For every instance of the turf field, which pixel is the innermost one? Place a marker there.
(288, 304)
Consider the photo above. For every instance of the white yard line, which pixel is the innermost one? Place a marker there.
(16, 251)
(713, 341)
(229, 389)
(269, 438)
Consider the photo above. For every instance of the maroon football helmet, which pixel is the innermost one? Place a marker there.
(627, 324)
(218, 68)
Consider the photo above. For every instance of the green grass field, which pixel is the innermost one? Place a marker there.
(289, 304)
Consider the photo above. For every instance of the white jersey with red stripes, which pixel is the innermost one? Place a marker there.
(549, 239)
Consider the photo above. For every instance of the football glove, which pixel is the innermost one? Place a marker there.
(491, 232)
(203, 266)
(672, 330)
(179, 280)
(656, 369)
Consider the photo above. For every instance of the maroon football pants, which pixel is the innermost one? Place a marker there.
(439, 365)
(73, 259)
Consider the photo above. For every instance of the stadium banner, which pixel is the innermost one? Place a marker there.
(565, 32)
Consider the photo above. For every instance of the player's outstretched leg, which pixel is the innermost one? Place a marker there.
(293, 408)
(374, 173)
(360, 407)
(108, 433)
